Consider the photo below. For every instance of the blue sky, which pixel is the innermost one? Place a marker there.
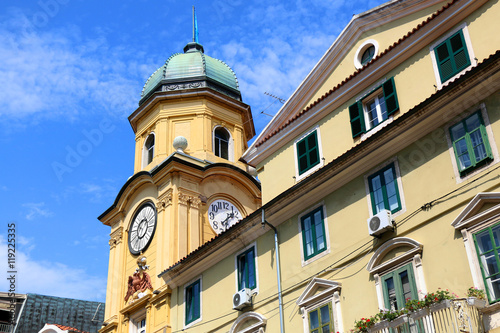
(71, 71)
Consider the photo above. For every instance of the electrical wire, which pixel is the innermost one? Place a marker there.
(424, 207)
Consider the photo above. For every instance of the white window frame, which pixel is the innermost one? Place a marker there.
(254, 245)
(491, 140)
(135, 321)
(472, 57)
(327, 235)
(377, 267)
(310, 300)
(363, 47)
(399, 181)
(373, 97)
(145, 151)
(374, 90)
(201, 302)
(230, 144)
(472, 220)
(320, 150)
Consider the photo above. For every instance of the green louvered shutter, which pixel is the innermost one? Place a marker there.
(452, 56)
(357, 119)
(390, 96)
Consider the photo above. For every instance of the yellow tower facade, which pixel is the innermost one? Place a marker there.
(188, 185)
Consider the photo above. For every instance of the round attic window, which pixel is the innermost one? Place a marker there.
(365, 53)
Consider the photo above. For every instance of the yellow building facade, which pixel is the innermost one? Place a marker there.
(379, 184)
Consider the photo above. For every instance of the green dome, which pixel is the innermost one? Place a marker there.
(191, 70)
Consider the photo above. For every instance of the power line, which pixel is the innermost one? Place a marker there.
(424, 207)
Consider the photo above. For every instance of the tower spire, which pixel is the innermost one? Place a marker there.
(195, 27)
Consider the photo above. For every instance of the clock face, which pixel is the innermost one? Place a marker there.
(222, 214)
(142, 229)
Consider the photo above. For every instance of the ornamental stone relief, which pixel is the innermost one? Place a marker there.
(115, 237)
(185, 199)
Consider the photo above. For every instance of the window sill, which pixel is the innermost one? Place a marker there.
(377, 128)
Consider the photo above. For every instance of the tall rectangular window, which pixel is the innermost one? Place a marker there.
(470, 143)
(374, 108)
(307, 152)
(452, 56)
(384, 191)
(313, 233)
(246, 270)
(192, 302)
(487, 247)
(321, 319)
(398, 286)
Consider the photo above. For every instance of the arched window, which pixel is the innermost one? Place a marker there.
(221, 142)
(148, 150)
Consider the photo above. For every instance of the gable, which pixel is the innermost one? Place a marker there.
(483, 207)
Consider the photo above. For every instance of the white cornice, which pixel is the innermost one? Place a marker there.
(453, 15)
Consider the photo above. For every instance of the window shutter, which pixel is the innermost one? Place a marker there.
(460, 54)
(444, 61)
(357, 119)
(390, 96)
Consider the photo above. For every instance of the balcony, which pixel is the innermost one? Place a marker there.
(457, 315)
(6, 328)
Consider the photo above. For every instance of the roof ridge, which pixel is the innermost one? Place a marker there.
(357, 72)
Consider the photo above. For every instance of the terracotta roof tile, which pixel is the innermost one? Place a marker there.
(399, 41)
(68, 328)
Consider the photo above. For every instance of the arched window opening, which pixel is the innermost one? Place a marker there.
(149, 149)
(221, 143)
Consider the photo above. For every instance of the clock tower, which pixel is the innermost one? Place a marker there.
(191, 128)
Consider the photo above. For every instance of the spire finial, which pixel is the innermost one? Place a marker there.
(195, 27)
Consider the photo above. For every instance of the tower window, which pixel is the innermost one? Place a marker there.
(221, 142)
(149, 149)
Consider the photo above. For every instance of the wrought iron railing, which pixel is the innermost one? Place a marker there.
(449, 316)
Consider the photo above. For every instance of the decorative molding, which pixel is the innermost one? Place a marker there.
(164, 201)
(183, 198)
(309, 295)
(116, 237)
(375, 264)
(239, 324)
(186, 199)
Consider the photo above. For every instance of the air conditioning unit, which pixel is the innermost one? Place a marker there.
(380, 222)
(242, 299)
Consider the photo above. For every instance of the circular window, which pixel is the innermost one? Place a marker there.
(365, 53)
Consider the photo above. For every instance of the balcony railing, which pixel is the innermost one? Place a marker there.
(6, 328)
(457, 315)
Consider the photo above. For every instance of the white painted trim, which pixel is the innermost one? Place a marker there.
(320, 149)
(470, 223)
(376, 268)
(362, 49)
(472, 57)
(50, 328)
(254, 245)
(230, 144)
(187, 284)
(255, 328)
(399, 181)
(309, 301)
(145, 152)
(135, 319)
(359, 24)
(256, 155)
(491, 140)
(327, 235)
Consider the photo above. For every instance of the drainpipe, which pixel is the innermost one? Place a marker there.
(278, 272)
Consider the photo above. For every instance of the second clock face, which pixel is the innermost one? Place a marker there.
(142, 229)
(222, 214)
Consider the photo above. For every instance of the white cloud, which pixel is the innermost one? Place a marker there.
(35, 210)
(52, 278)
(55, 73)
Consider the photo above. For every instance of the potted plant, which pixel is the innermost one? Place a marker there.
(476, 297)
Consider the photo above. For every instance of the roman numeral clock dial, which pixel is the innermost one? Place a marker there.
(222, 214)
(142, 229)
